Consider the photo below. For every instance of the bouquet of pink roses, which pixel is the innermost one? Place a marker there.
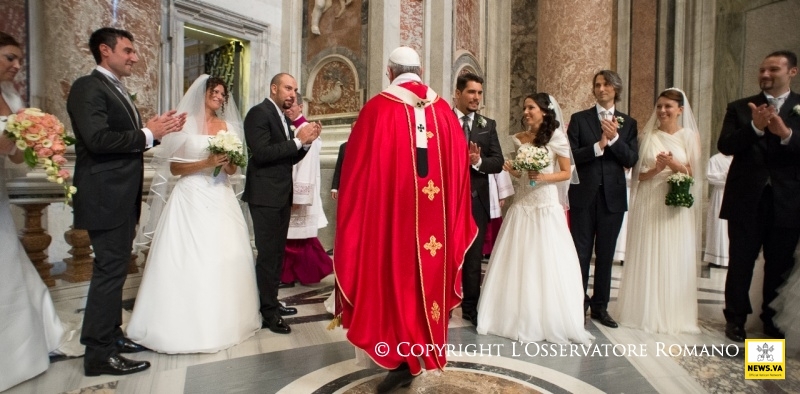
(43, 140)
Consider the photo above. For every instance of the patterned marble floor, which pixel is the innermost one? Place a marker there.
(315, 360)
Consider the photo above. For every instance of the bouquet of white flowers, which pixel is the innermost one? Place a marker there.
(679, 195)
(229, 144)
(532, 158)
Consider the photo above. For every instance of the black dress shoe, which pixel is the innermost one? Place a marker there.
(286, 310)
(285, 285)
(115, 365)
(773, 332)
(735, 332)
(400, 377)
(276, 325)
(604, 318)
(125, 345)
(470, 317)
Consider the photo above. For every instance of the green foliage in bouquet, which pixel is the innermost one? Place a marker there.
(679, 195)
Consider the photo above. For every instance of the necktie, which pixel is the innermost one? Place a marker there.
(288, 125)
(465, 126)
(775, 102)
(605, 115)
(126, 96)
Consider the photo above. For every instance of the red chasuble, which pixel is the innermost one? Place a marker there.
(401, 238)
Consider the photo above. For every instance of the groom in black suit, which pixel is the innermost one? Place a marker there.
(604, 144)
(268, 189)
(108, 176)
(485, 158)
(761, 200)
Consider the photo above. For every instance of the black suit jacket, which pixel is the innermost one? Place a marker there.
(272, 155)
(109, 148)
(491, 160)
(759, 159)
(609, 169)
(337, 172)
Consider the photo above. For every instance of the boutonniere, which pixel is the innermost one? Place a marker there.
(132, 96)
(481, 121)
(796, 109)
(620, 120)
(292, 128)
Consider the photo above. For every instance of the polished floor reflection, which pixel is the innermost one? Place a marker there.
(313, 359)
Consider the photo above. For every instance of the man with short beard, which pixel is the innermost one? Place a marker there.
(268, 189)
(760, 200)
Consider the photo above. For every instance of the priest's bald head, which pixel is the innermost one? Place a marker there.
(403, 60)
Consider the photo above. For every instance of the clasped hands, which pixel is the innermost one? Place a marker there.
(609, 128)
(765, 116)
(663, 160)
(168, 122)
(308, 133)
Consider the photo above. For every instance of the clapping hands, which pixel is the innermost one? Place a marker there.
(308, 133)
(663, 159)
(767, 116)
(168, 122)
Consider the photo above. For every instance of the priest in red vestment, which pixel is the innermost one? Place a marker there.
(404, 223)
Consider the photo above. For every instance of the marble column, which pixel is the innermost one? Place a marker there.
(575, 40)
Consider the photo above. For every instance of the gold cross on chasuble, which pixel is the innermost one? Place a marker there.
(433, 246)
(430, 190)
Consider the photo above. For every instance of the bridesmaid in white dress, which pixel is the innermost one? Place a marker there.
(198, 292)
(533, 289)
(658, 292)
(29, 326)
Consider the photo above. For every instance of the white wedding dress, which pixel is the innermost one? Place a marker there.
(198, 292)
(533, 289)
(658, 290)
(29, 326)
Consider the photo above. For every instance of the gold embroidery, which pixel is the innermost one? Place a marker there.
(435, 312)
(429, 134)
(433, 246)
(430, 190)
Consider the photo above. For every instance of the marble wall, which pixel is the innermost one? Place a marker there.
(467, 27)
(524, 36)
(575, 41)
(642, 86)
(412, 23)
(66, 54)
(745, 33)
(14, 23)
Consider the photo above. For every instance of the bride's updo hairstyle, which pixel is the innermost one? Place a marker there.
(549, 121)
(214, 82)
(674, 95)
(6, 40)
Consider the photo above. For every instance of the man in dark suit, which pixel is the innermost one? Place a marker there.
(761, 200)
(603, 143)
(108, 176)
(337, 171)
(268, 189)
(485, 158)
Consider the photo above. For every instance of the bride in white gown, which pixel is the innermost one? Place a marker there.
(533, 289)
(658, 291)
(198, 292)
(29, 326)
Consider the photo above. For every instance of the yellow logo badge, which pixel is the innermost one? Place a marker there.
(765, 359)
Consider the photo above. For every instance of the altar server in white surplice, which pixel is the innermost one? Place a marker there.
(716, 251)
(500, 188)
(619, 251)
